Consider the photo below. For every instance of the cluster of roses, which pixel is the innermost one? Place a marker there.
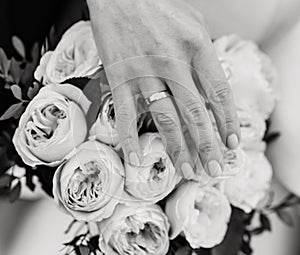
(92, 183)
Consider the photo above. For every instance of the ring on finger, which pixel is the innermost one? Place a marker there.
(157, 96)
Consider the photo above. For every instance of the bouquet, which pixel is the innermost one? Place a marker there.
(61, 133)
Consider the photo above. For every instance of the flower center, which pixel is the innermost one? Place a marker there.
(43, 123)
(85, 185)
(157, 169)
(66, 62)
(146, 239)
(111, 115)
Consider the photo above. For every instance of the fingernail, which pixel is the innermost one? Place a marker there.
(232, 141)
(214, 168)
(187, 171)
(134, 159)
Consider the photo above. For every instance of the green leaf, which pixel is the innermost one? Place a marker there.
(233, 241)
(4, 62)
(16, 90)
(18, 45)
(84, 250)
(32, 91)
(271, 137)
(27, 74)
(93, 92)
(265, 222)
(12, 110)
(246, 249)
(184, 251)
(29, 178)
(94, 244)
(15, 192)
(35, 54)
(15, 70)
(5, 180)
(286, 217)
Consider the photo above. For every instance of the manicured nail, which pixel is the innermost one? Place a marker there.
(232, 141)
(214, 168)
(187, 171)
(134, 159)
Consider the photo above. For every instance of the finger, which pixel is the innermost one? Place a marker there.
(210, 78)
(193, 111)
(126, 123)
(168, 124)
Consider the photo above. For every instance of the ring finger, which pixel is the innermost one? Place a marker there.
(168, 124)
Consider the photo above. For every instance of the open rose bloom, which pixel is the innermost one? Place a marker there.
(132, 231)
(90, 183)
(156, 177)
(251, 185)
(53, 123)
(250, 73)
(200, 213)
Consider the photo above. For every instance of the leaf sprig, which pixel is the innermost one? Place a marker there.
(17, 76)
(82, 244)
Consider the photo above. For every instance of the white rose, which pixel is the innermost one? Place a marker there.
(156, 177)
(252, 184)
(200, 213)
(253, 128)
(90, 184)
(134, 231)
(52, 125)
(104, 128)
(249, 72)
(75, 56)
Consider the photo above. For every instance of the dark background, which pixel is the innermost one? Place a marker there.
(31, 21)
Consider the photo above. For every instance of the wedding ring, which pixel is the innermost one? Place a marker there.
(157, 96)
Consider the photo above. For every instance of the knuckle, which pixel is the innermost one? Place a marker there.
(230, 124)
(197, 113)
(193, 40)
(123, 115)
(201, 19)
(176, 151)
(166, 121)
(205, 148)
(222, 92)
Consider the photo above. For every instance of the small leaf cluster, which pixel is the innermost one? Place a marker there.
(17, 75)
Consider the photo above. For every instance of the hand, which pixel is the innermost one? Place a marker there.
(149, 46)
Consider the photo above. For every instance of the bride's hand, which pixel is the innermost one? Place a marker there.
(148, 46)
